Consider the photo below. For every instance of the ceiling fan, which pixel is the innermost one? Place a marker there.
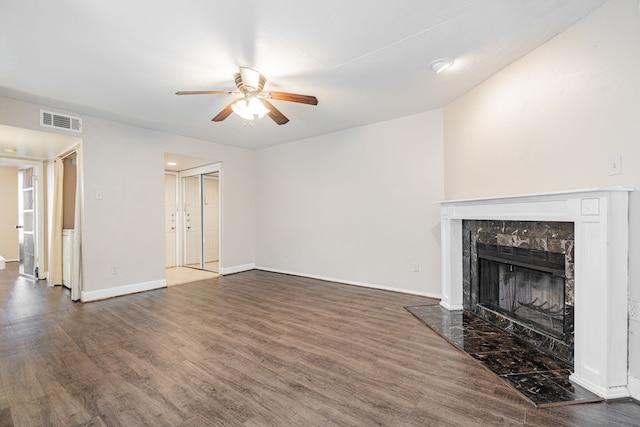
(254, 102)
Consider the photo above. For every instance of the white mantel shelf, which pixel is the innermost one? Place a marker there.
(600, 217)
(545, 194)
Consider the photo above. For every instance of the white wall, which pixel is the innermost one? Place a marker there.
(126, 227)
(126, 164)
(552, 120)
(356, 206)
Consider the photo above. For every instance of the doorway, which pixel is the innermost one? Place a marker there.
(22, 222)
(69, 187)
(33, 153)
(192, 219)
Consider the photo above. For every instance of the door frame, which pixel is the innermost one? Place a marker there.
(201, 170)
(39, 208)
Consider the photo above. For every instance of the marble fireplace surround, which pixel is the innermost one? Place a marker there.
(600, 217)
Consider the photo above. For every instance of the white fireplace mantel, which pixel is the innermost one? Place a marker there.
(600, 217)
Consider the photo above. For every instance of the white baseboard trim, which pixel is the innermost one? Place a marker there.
(350, 282)
(634, 387)
(122, 290)
(237, 269)
(608, 393)
(451, 307)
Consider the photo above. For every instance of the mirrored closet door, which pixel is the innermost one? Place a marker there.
(201, 218)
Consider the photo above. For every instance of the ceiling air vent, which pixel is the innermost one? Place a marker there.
(60, 121)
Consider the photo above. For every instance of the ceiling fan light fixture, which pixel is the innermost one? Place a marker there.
(439, 65)
(249, 80)
(249, 108)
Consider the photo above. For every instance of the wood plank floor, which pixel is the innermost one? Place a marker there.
(250, 349)
(181, 275)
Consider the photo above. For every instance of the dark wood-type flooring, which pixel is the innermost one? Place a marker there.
(250, 349)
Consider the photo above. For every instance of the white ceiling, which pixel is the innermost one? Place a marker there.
(366, 61)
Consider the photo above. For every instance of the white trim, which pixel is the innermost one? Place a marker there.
(123, 290)
(445, 304)
(350, 282)
(200, 170)
(634, 387)
(607, 393)
(12, 260)
(549, 193)
(237, 269)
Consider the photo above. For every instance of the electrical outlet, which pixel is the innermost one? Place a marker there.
(633, 311)
(114, 269)
(416, 267)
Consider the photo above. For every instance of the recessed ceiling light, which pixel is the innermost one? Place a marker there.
(10, 150)
(171, 163)
(439, 65)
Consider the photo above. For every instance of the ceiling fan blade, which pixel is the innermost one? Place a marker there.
(226, 112)
(292, 97)
(275, 114)
(204, 92)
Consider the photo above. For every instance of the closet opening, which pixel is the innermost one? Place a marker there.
(192, 219)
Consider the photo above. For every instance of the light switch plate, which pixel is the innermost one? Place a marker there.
(615, 165)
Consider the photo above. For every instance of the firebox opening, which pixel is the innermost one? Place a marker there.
(525, 285)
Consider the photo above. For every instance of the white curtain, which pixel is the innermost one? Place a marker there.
(77, 271)
(55, 250)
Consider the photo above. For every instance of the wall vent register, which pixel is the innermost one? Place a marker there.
(60, 121)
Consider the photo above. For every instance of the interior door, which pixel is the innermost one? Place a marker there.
(170, 212)
(200, 219)
(26, 215)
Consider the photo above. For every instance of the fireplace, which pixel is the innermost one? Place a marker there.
(518, 243)
(518, 275)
